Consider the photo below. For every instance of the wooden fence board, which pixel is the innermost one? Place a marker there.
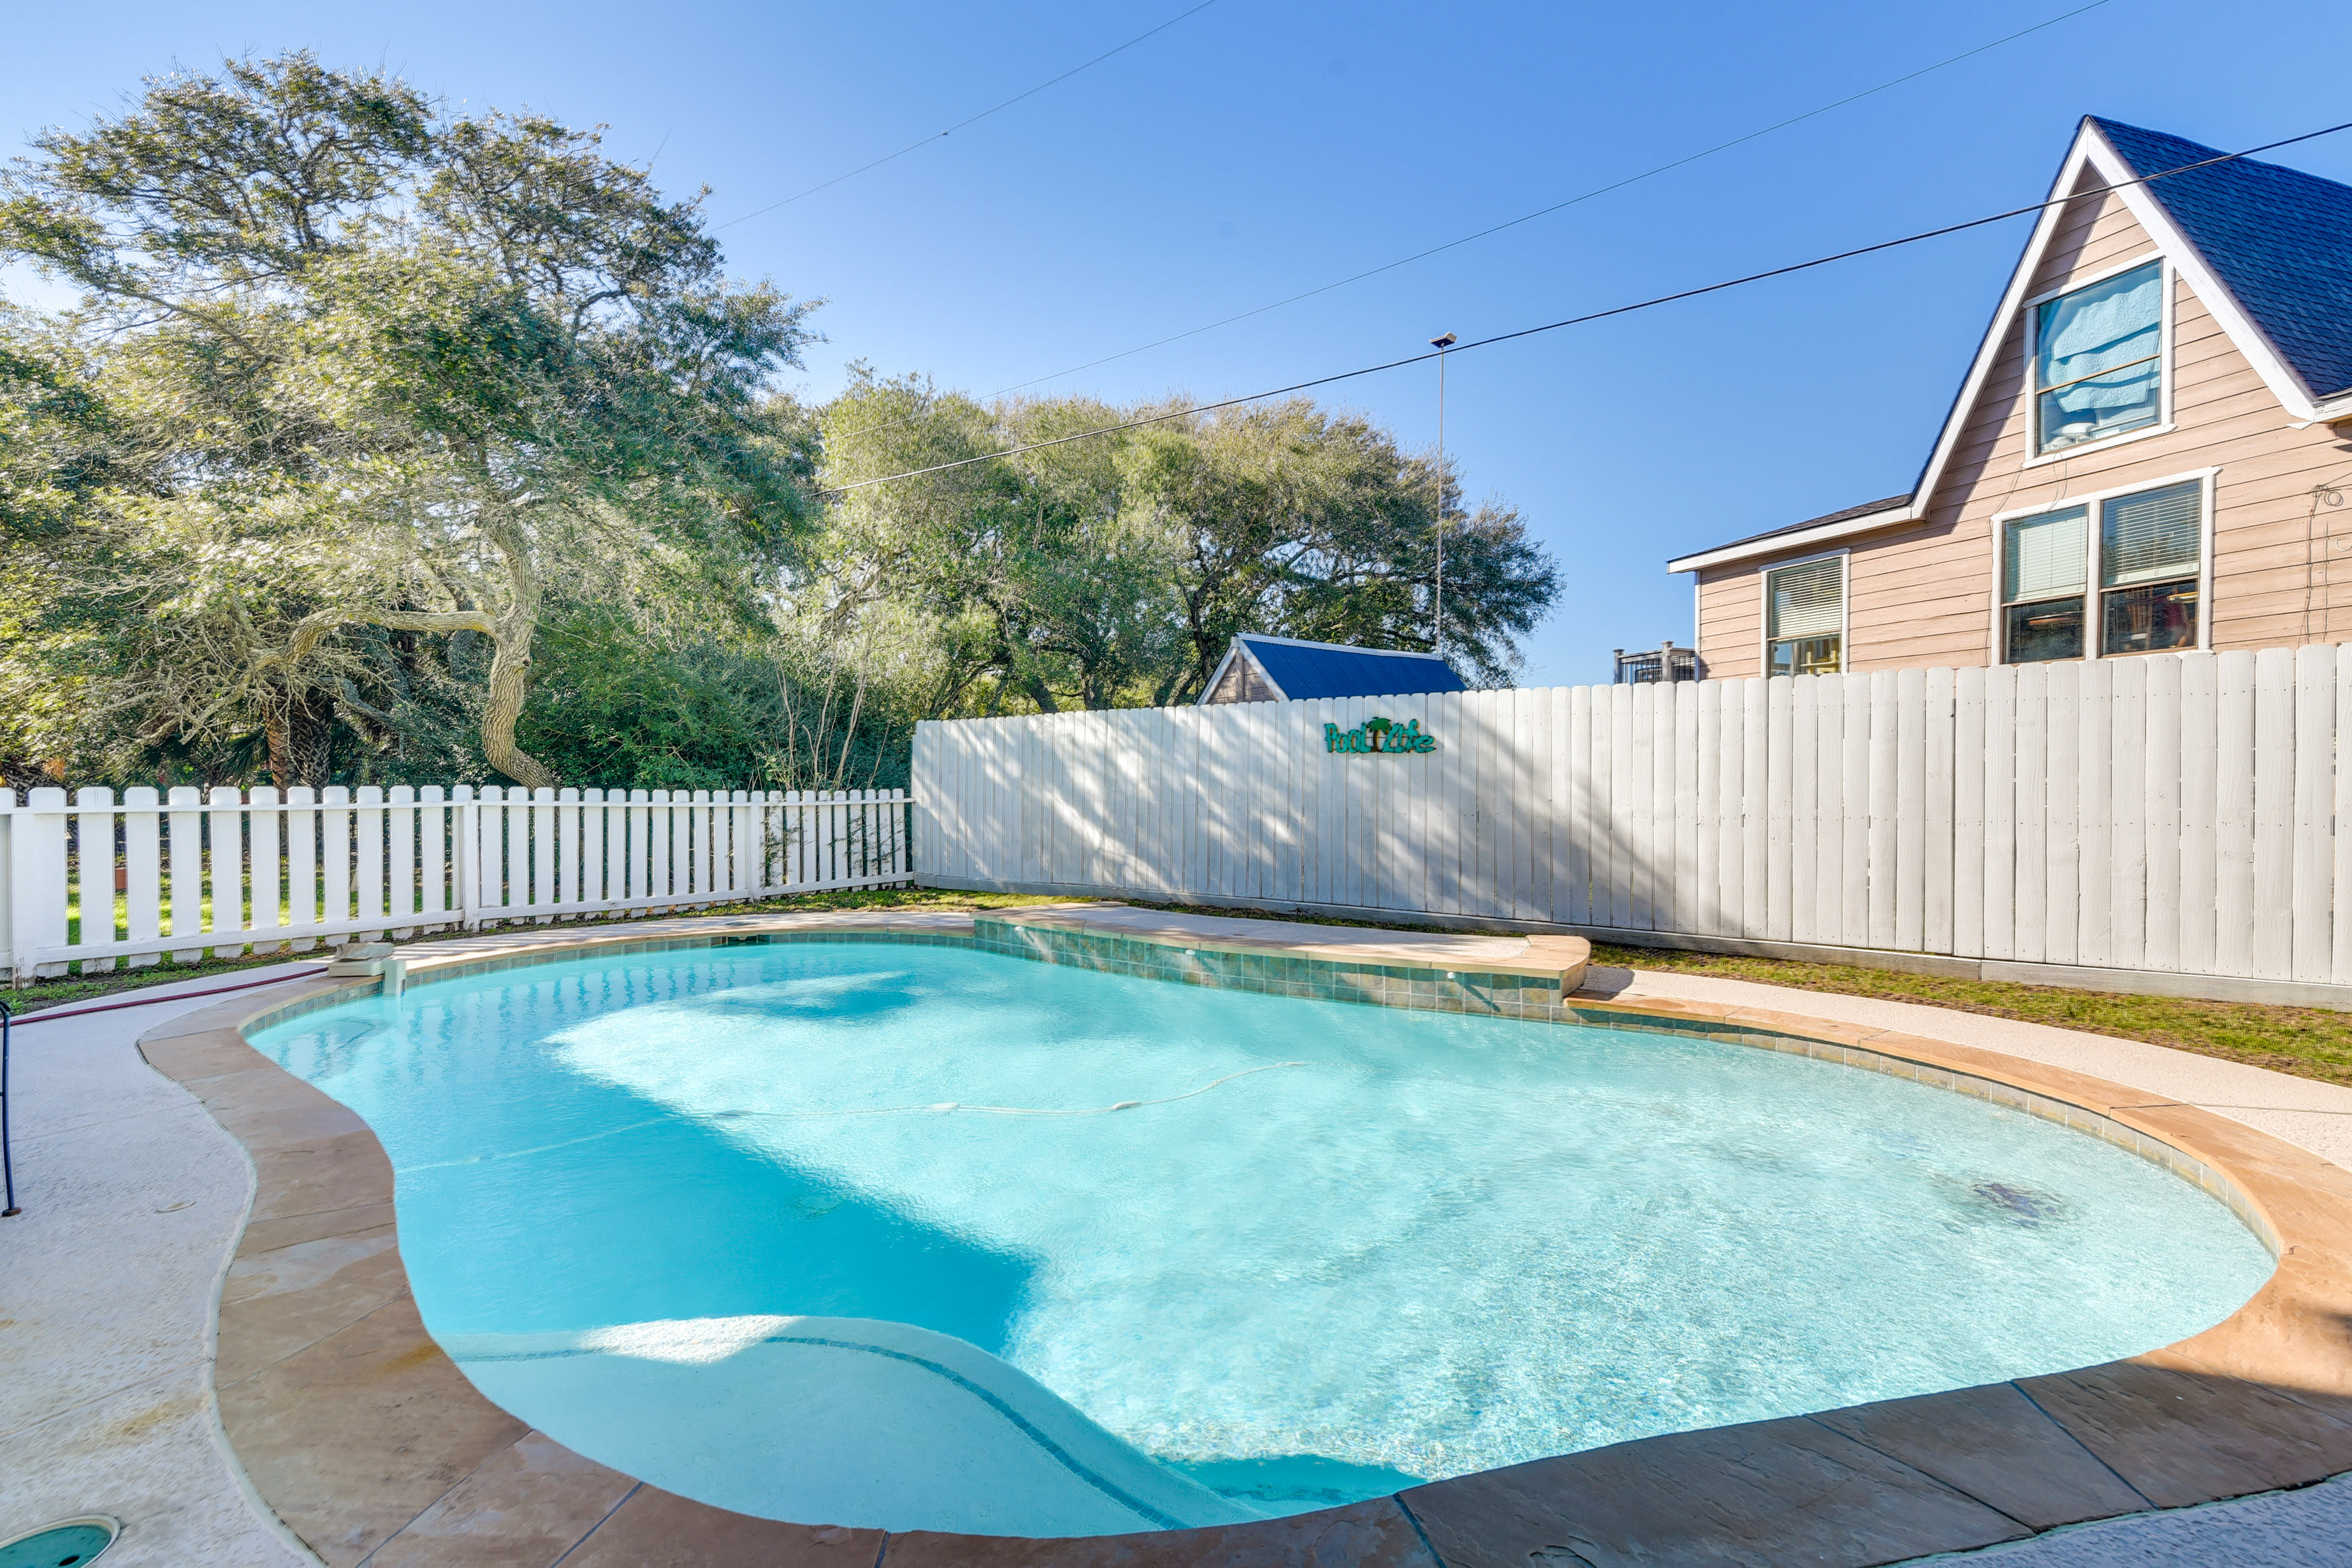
(2233, 821)
(2094, 835)
(2311, 856)
(2275, 705)
(1966, 931)
(1855, 905)
(2182, 814)
(2126, 896)
(2340, 964)
(1758, 822)
(1781, 857)
(1713, 753)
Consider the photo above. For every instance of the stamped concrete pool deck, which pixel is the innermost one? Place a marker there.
(134, 1198)
(346, 1437)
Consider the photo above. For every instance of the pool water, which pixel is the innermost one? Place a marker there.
(852, 1233)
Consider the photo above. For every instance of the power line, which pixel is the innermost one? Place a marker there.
(1597, 191)
(976, 118)
(1579, 321)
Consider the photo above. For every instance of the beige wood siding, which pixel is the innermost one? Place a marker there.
(1242, 683)
(1730, 623)
(1925, 594)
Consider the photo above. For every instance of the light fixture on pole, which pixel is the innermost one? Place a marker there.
(1437, 594)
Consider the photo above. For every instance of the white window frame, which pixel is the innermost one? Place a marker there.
(2094, 619)
(2030, 314)
(1845, 607)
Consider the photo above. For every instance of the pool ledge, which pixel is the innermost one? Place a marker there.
(365, 1438)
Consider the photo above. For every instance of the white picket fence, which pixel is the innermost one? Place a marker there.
(2184, 814)
(97, 882)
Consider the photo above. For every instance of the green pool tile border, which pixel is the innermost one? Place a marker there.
(466, 968)
(1458, 988)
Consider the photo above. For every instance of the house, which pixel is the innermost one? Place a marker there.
(2146, 454)
(1259, 668)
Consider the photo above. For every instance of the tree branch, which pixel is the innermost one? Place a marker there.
(312, 628)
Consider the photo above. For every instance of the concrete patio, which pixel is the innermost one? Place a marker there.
(136, 1200)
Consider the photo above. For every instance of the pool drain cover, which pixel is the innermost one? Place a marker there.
(66, 1545)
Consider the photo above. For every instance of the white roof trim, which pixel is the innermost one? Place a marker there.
(1233, 649)
(1800, 539)
(2091, 151)
(1341, 647)
(2328, 412)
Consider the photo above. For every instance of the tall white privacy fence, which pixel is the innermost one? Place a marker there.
(2181, 815)
(98, 880)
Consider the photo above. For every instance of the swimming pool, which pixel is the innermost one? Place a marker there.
(921, 1237)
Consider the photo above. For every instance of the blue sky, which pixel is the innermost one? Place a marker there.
(1254, 151)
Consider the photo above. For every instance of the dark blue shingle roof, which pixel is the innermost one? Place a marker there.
(1307, 670)
(2279, 240)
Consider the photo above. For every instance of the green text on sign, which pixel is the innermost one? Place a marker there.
(1379, 736)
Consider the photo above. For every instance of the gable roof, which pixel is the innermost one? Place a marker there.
(2280, 239)
(1301, 670)
(2267, 249)
(1833, 525)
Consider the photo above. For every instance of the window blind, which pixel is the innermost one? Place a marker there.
(2045, 556)
(1807, 601)
(2153, 536)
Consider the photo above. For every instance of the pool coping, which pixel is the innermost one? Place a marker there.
(367, 1440)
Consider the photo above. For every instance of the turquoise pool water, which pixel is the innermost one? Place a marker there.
(847, 1233)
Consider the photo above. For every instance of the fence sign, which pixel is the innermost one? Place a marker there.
(1379, 736)
(2184, 813)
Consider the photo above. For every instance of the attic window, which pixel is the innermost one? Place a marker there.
(1804, 618)
(2098, 358)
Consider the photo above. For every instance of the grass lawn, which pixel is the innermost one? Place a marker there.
(2309, 1042)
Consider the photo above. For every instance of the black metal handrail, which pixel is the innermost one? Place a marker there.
(1647, 665)
(7, 1158)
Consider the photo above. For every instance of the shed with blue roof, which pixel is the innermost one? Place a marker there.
(1261, 668)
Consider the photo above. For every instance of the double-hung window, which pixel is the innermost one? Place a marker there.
(2149, 550)
(2144, 551)
(1804, 618)
(2045, 566)
(2098, 360)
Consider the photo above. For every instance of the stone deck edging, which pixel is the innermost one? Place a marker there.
(370, 1443)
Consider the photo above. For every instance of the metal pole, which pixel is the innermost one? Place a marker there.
(7, 1160)
(1438, 597)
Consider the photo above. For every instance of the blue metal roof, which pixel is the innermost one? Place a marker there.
(2279, 240)
(1306, 670)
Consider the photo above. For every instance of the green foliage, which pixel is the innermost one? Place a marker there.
(1116, 570)
(385, 445)
(377, 369)
(617, 708)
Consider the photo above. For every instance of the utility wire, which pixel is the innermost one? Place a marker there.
(975, 119)
(1579, 321)
(1597, 191)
